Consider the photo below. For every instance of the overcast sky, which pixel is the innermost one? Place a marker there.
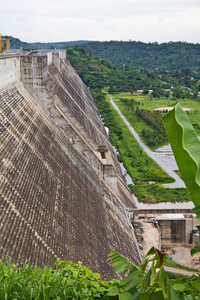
(102, 20)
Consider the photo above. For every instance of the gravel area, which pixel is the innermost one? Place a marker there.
(180, 253)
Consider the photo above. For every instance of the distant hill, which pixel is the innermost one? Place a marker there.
(165, 56)
(130, 55)
(56, 45)
(16, 43)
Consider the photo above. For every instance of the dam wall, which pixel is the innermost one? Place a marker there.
(10, 71)
(62, 191)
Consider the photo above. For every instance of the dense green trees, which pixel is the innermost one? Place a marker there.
(96, 72)
(99, 73)
(15, 43)
(165, 56)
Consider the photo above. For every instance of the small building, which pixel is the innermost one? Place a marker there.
(177, 228)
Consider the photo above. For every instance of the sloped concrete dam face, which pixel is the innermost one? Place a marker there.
(57, 196)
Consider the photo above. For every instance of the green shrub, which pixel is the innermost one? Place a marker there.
(160, 194)
(67, 280)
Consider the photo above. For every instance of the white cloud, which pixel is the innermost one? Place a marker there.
(64, 20)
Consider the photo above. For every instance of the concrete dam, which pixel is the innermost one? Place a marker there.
(62, 191)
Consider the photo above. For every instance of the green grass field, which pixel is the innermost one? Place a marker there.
(160, 194)
(150, 104)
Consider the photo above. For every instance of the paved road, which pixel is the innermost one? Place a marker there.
(181, 271)
(164, 159)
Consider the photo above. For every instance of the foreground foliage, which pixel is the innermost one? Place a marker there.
(151, 281)
(67, 280)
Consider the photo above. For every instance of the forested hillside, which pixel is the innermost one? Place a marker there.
(132, 66)
(97, 72)
(16, 43)
(130, 55)
(165, 56)
(56, 45)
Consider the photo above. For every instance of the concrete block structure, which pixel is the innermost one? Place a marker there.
(62, 191)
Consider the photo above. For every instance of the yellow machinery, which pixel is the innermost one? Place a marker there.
(2, 43)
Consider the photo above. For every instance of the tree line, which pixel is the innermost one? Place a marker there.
(97, 72)
(165, 56)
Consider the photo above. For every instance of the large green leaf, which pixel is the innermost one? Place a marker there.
(195, 249)
(179, 287)
(166, 286)
(152, 296)
(186, 147)
(120, 262)
(131, 281)
(125, 296)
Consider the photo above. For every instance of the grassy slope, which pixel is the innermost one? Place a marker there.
(138, 164)
(160, 194)
(142, 168)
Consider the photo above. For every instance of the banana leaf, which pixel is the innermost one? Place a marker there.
(186, 148)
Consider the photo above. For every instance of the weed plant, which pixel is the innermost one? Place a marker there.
(67, 280)
(191, 284)
(160, 194)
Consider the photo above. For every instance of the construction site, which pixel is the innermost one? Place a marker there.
(63, 192)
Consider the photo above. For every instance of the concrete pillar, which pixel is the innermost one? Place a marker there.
(110, 177)
(57, 56)
(9, 71)
(34, 70)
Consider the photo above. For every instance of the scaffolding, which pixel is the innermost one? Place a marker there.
(2, 45)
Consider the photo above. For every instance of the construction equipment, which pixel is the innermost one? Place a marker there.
(2, 44)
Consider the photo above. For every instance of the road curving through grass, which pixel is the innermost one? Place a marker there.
(163, 160)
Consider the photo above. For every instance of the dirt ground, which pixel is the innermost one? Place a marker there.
(180, 253)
